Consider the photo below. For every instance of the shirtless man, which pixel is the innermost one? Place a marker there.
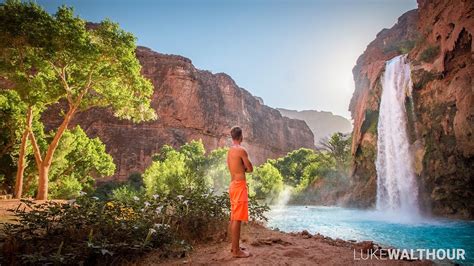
(239, 164)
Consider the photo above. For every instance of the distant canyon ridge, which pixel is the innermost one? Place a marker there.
(322, 124)
(191, 104)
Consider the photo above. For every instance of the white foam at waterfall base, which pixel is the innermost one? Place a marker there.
(283, 197)
(397, 190)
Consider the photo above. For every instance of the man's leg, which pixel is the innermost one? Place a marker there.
(235, 234)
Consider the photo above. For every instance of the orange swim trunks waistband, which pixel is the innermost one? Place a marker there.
(239, 201)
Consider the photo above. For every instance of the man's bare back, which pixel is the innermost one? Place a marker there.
(238, 162)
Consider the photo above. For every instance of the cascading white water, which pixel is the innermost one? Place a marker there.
(397, 189)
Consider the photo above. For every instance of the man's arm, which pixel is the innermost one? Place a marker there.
(247, 164)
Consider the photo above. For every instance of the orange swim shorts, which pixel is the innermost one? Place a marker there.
(239, 201)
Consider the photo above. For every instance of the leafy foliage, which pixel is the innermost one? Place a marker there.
(79, 160)
(266, 182)
(125, 193)
(338, 146)
(324, 166)
(429, 53)
(302, 168)
(293, 164)
(12, 112)
(49, 58)
(216, 168)
(92, 231)
(105, 190)
(402, 47)
(186, 169)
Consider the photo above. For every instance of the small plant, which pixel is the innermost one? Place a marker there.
(66, 188)
(403, 47)
(429, 53)
(125, 193)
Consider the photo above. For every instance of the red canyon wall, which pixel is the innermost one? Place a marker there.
(191, 104)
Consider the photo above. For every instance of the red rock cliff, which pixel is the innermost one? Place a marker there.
(438, 39)
(191, 104)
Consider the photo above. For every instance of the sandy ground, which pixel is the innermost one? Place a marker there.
(5, 205)
(270, 247)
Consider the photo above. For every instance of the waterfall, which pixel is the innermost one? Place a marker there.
(397, 190)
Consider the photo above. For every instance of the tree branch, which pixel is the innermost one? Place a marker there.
(62, 75)
(54, 143)
(36, 149)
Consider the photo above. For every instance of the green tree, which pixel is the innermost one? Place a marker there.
(78, 161)
(11, 109)
(12, 124)
(339, 147)
(166, 175)
(50, 58)
(323, 166)
(293, 164)
(24, 30)
(187, 168)
(267, 181)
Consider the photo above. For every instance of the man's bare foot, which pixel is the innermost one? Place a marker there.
(241, 254)
(241, 248)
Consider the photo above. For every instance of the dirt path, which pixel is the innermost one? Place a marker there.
(276, 248)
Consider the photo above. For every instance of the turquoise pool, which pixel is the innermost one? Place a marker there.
(382, 228)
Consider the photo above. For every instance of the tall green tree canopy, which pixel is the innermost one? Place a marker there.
(50, 58)
(339, 147)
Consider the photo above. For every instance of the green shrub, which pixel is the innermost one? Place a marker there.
(186, 169)
(92, 231)
(125, 193)
(403, 47)
(105, 190)
(87, 231)
(423, 78)
(293, 164)
(429, 53)
(267, 182)
(370, 122)
(67, 187)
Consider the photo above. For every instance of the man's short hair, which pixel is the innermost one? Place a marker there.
(236, 133)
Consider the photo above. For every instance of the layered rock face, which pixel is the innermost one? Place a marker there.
(191, 104)
(323, 124)
(438, 40)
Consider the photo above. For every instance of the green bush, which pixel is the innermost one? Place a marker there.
(125, 193)
(92, 231)
(186, 169)
(266, 182)
(66, 188)
(293, 164)
(403, 46)
(430, 53)
(105, 190)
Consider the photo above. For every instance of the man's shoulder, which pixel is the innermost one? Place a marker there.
(239, 149)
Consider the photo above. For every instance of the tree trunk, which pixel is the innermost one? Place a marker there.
(43, 183)
(48, 158)
(21, 159)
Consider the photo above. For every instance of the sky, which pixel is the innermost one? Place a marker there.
(295, 54)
